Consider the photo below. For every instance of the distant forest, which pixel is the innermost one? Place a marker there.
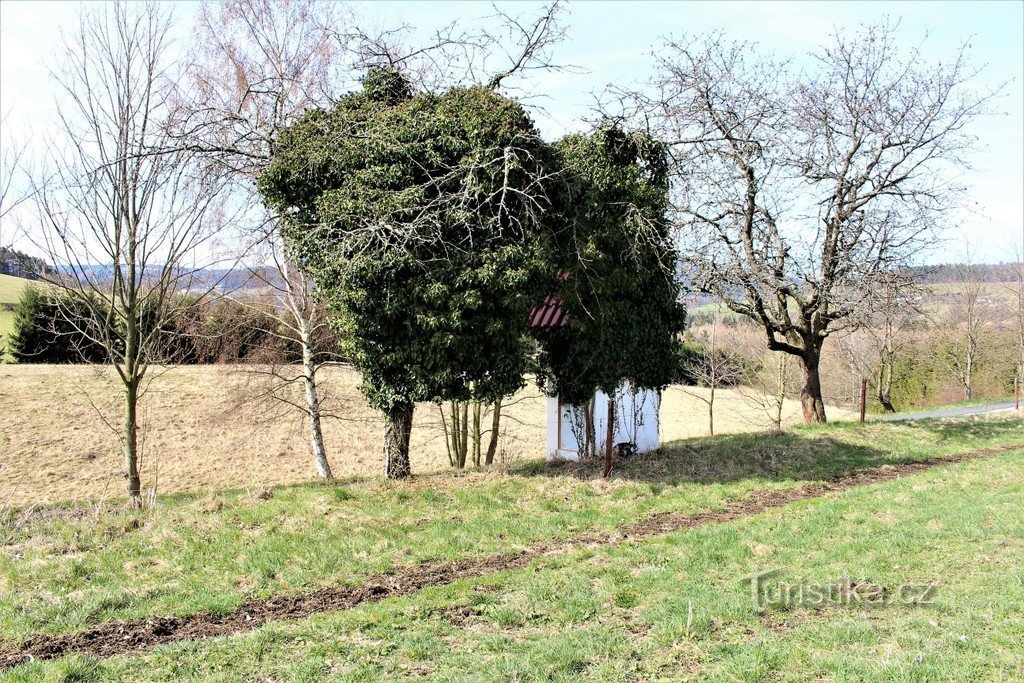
(20, 264)
(956, 272)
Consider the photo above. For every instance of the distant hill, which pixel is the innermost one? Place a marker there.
(221, 279)
(955, 272)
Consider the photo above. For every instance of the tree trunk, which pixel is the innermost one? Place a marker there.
(711, 413)
(477, 434)
(780, 393)
(810, 396)
(609, 434)
(131, 443)
(323, 467)
(397, 428)
(492, 446)
(589, 436)
(464, 437)
(885, 386)
(969, 375)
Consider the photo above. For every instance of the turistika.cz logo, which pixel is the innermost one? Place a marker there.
(768, 590)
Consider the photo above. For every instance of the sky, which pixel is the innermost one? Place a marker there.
(613, 42)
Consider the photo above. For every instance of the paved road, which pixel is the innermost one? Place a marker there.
(949, 412)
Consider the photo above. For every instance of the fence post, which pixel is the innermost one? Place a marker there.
(863, 399)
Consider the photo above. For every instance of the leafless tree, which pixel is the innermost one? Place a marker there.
(488, 52)
(872, 350)
(797, 191)
(257, 67)
(715, 367)
(300, 320)
(769, 377)
(895, 310)
(12, 166)
(1016, 289)
(962, 322)
(126, 223)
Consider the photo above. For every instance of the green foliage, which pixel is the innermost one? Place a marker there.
(421, 219)
(621, 290)
(51, 327)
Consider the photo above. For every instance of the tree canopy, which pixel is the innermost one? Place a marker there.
(423, 219)
(618, 264)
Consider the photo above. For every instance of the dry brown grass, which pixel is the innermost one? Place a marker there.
(200, 433)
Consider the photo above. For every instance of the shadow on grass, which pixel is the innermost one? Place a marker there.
(810, 453)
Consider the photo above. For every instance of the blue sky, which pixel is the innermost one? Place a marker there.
(613, 42)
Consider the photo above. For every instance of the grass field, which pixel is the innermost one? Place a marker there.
(667, 607)
(199, 432)
(10, 293)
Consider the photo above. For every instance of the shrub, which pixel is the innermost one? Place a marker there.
(49, 328)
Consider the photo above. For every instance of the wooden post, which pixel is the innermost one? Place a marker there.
(1016, 394)
(609, 433)
(863, 399)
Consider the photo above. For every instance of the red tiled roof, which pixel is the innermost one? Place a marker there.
(550, 314)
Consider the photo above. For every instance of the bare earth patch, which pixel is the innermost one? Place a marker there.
(121, 637)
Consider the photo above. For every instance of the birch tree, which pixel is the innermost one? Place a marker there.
(257, 67)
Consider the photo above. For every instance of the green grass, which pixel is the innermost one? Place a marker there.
(6, 325)
(11, 289)
(64, 568)
(677, 608)
(957, 404)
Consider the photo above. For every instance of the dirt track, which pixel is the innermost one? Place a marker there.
(113, 638)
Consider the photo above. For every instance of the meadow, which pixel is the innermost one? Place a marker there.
(10, 292)
(202, 430)
(548, 572)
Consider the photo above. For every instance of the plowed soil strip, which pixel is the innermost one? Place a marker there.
(113, 638)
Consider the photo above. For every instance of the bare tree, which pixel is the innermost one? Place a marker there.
(1016, 289)
(257, 67)
(126, 223)
(769, 376)
(301, 321)
(489, 52)
(873, 350)
(798, 191)
(962, 323)
(715, 367)
(12, 165)
(895, 311)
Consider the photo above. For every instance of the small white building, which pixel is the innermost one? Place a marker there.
(635, 422)
(636, 413)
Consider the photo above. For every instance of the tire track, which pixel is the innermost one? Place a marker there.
(113, 638)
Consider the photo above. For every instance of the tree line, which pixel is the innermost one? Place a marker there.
(50, 326)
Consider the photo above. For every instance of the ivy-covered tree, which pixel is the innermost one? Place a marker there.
(618, 268)
(422, 219)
